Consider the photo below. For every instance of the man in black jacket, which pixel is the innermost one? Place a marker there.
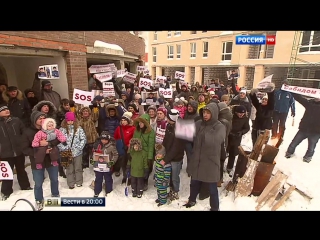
(11, 129)
(309, 127)
(38, 174)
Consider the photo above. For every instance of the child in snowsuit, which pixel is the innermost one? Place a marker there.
(180, 105)
(137, 167)
(48, 133)
(103, 169)
(162, 175)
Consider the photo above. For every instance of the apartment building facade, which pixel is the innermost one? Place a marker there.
(204, 55)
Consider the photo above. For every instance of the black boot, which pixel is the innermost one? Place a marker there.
(61, 172)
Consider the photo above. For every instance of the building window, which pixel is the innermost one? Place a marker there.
(193, 32)
(205, 49)
(155, 36)
(169, 34)
(154, 54)
(177, 33)
(226, 51)
(170, 52)
(178, 51)
(193, 51)
(310, 41)
(304, 74)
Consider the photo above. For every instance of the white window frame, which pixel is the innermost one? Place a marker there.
(193, 32)
(205, 53)
(309, 45)
(170, 51)
(178, 47)
(177, 33)
(169, 34)
(305, 72)
(224, 49)
(154, 54)
(155, 36)
(193, 50)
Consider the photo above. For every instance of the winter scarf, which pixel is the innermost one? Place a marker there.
(51, 135)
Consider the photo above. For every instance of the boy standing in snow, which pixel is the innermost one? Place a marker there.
(103, 169)
(137, 167)
(162, 175)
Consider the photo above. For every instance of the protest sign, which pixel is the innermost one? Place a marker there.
(101, 68)
(108, 89)
(129, 77)
(6, 172)
(149, 97)
(83, 97)
(160, 135)
(166, 93)
(141, 68)
(102, 77)
(265, 82)
(309, 92)
(180, 75)
(233, 74)
(185, 129)
(121, 73)
(160, 79)
(145, 83)
(49, 72)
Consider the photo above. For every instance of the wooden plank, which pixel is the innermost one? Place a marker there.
(261, 141)
(270, 185)
(278, 143)
(269, 154)
(270, 201)
(245, 184)
(241, 150)
(284, 197)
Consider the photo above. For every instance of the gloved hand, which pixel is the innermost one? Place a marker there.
(254, 91)
(110, 164)
(293, 114)
(146, 173)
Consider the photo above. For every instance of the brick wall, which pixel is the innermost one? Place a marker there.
(76, 71)
(130, 43)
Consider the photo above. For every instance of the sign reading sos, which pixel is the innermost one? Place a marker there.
(4, 170)
(179, 75)
(82, 97)
(166, 93)
(145, 83)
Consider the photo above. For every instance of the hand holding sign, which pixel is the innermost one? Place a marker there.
(82, 97)
(180, 75)
(145, 83)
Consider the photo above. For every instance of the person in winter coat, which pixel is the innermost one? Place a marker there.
(103, 169)
(17, 104)
(125, 96)
(194, 92)
(76, 140)
(48, 94)
(183, 90)
(145, 133)
(137, 167)
(123, 135)
(38, 174)
(241, 98)
(240, 126)
(47, 108)
(309, 127)
(161, 175)
(201, 101)
(264, 112)
(87, 120)
(204, 166)
(152, 112)
(11, 150)
(180, 105)
(174, 153)
(63, 109)
(31, 98)
(225, 98)
(283, 101)
(48, 132)
(134, 110)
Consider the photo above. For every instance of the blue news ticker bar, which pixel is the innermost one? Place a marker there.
(83, 202)
(251, 40)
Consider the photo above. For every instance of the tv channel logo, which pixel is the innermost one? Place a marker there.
(256, 40)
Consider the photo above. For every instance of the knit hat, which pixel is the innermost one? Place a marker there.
(127, 116)
(46, 121)
(153, 107)
(240, 109)
(160, 149)
(35, 116)
(98, 98)
(173, 115)
(243, 91)
(162, 109)
(105, 135)
(70, 116)
(45, 82)
(222, 105)
(12, 88)
(225, 97)
(178, 101)
(3, 107)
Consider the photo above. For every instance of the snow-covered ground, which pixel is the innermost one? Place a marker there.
(305, 176)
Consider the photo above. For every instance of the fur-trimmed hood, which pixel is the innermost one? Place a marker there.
(135, 141)
(6, 97)
(52, 108)
(111, 106)
(46, 121)
(145, 119)
(82, 109)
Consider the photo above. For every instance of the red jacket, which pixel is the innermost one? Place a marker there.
(128, 131)
(135, 115)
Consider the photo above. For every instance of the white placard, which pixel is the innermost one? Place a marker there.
(145, 83)
(309, 92)
(6, 172)
(83, 97)
(146, 72)
(121, 73)
(108, 89)
(185, 129)
(141, 68)
(265, 82)
(48, 71)
(102, 77)
(166, 93)
(180, 75)
(130, 77)
(100, 68)
(160, 133)
(161, 79)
